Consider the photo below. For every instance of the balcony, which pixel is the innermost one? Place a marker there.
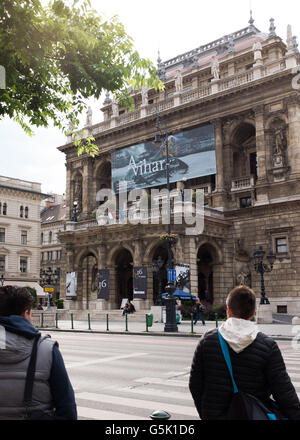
(242, 183)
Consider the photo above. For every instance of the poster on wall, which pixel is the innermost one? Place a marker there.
(71, 285)
(183, 277)
(140, 282)
(191, 155)
(103, 286)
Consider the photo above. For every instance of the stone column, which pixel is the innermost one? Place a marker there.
(293, 141)
(102, 304)
(112, 303)
(87, 179)
(219, 155)
(69, 207)
(260, 143)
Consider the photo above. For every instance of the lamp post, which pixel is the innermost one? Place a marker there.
(262, 268)
(48, 278)
(171, 325)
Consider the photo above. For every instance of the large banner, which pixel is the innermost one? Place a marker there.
(140, 282)
(103, 289)
(183, 277)
(191, 155)
(71, 285)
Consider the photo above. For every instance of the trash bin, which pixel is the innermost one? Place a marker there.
(178, 317)
(150, 320)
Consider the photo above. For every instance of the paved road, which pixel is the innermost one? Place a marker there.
(121, 377)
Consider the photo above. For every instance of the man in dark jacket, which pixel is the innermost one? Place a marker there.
(52, 390)
(257, 363)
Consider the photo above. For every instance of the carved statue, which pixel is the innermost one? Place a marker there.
(178, 81)
(144, 95)
(257, 49)
(115, 108)
(279, 141)
(215, 68)
(243, 277)
(89, 117)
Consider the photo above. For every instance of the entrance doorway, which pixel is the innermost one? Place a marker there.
(205, 263)
(159, 265)
(124, 266)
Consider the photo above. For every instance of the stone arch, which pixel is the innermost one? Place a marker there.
(86, 265)
(209, 260)
(243, 145)
(76, 189)
(102, 177)
(273, 118)
(115, 250)
(82, 254)
(217, 251)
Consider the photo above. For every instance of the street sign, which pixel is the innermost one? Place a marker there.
(172, 275)
(49, 289)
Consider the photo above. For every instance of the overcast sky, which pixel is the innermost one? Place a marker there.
(173, 27)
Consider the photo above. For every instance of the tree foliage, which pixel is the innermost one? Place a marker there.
(59, 55)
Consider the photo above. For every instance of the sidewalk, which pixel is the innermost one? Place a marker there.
(275, 330)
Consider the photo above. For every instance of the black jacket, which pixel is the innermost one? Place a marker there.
(258, 370)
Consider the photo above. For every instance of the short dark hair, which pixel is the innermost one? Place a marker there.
(242, 302)
(15, 300)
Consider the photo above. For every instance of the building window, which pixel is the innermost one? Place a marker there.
(26, 212)
(42, 257)
(50, 237)
(42, 238)
(23, 237)
(4, 212)
(281, 245)
(2, 263)
(58, 255)
(2, 235)
(49, 255)
(21, 211)
(245, 202)
(23, 264)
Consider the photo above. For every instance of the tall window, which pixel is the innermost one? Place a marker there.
(50, 237)
(58, 255)
(49, 255)
(26, 212)
(21, 211)
(42, 238)
(281, 245)
(4, 212)
(2, 263)
(2, 235)
(23, 237)
(23, 264)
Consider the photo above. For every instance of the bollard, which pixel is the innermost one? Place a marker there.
(89, 321)
(107, 329)
(42, 320)
(217, 324)
(192, 323)
(72, 323)
(160, 415)
(126, 322)
(56, 320)
(146, 322)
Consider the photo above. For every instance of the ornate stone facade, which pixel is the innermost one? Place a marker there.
(242, 84)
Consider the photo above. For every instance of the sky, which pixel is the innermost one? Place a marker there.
(170, 26)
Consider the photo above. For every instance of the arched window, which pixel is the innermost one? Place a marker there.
(26, 212)
(4, 212)
(21, 211)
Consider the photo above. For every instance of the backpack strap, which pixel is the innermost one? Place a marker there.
(226, 355)
(31, 373)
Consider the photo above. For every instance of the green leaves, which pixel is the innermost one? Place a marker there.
(56, 57)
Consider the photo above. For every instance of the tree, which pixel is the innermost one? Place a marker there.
(55, 57)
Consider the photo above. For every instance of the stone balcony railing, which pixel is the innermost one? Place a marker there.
(242, 183)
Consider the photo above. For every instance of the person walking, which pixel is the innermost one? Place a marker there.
(198, 309)
(52, 392)
(257, 364)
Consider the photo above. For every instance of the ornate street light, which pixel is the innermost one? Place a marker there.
(171, 325)
(262, 268)
(75, 205)
(49, 277)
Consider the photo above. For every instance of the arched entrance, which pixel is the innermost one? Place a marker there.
(244, 151)
(88, 279)
(124, 268)
(205, 265)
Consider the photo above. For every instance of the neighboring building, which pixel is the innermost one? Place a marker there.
(52, 223)
(240, 96)
(20, 231)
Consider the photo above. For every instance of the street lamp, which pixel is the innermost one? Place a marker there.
(75, 205)
(49, 277)
(171, 325)
(262, 268)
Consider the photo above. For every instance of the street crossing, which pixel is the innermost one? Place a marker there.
(169, 392)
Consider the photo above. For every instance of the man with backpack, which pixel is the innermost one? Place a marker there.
(257, 366)
(198, 310)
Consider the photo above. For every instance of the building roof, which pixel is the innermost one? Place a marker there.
(53, 213)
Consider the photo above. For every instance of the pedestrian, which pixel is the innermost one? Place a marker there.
(198, 310)
(257, 364)
(126, 309)
(131, 307)
(52, 394)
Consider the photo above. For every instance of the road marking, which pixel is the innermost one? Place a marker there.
(104, 360)
(97, 414)
(160, 381)
(136, 403)
(159, 393)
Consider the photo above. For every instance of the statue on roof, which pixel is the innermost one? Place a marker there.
(115, 107)
(257, 49)
(89, 117)
(144, 95)
(215, 67)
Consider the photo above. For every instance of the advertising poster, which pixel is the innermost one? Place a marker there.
(103, 289)
(191, 155)
(183, 277)
(140, 282)
(71, 285)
